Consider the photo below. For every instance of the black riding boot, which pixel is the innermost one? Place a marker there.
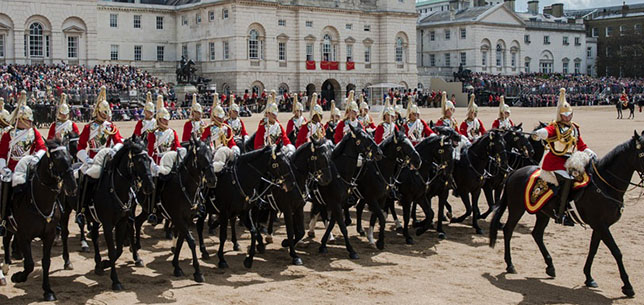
(3, 205)
(152, 217)
(83, 201)
(564, 191)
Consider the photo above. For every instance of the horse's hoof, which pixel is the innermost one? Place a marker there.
(49, 297)
(168, 235)
(347, 222)
(409, 241)
(420, 231)
(199, 277)
(99, 271)
(511, 270)
(205, 255)
(248, 262)
(68, 266)
(85, 249)
(172, 250)
(117, 286)
(361, 232)
(628, 291)
(550, 271)
(442, 235)
(19, 277)
(311, 234)
(261, 248)
(416, 224)
(457, 220)
(285, 243)
(236, 247)
(591, 283)
(380, 244)
(268, 239)
(353, 255)
(222, 265)
(106, 264)
(479, 231)
(297, 261)
(139, 263)
(178, 272)
(323, 250)
(399, 230)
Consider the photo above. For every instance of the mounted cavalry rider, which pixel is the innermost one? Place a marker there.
(270, 131)
(313, 129)
(240, 135)
(148, 124)
(365, 118)
(503, 122)
(219, 136)
(98, 138)
(331, 124)
(472, 127)
(447, 110)
(194, 126)
(20, 148)
(387, 127)
(563, 139)
(350, 119)
(296, 122)
(415, 128)
(63, 125)
(399, 118)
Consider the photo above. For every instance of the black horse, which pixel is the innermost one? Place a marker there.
(470, 172)
(113, 200)
(36, 210)
(241, 185)
(599, 205)
(333, 197)
(180, 193)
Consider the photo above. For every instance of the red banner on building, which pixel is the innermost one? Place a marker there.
(310, 65)
(351, 65)
(329, 65)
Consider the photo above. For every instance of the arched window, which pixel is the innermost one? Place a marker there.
(36, 40)
(399, 50)
(253, 45)
(326, 48)
(499, 55)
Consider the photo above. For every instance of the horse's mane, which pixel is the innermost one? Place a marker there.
(301, 149)
(339, 148)
(617, 152)
(253, 154)
(128, 145)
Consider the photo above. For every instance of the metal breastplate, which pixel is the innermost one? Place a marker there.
(388, 129)
(273, 133)
(565, 140)
(236, 126)
(163, 140)
(98, 135)
(21, 142)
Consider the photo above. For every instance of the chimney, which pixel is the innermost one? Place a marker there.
(547, 10)
(509, 4)
(453, 5)
(624, 9)
(533, 7)
(557, 10)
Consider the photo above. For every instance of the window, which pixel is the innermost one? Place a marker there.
(114, 52)
(211, 15)
(159, 22)
(448, 34)
(197, 18)
(1, 45)
(47, 45)
(225, 46)
(513, 60)
(577, 67)
(638, 29)
(198, 52)
(526, 38)
(607, 51)
(367, 54)
(253, 44)
(484, 59)
(527, 66)
(595, 32)
(448, 61)
(367, 28)
(565, 68)
(349, 53)
(309, 24)
(545, 67)
(621, 30)
(184, 20)
(463, 33)
(211, 50)
(565, 40)
(546, 39)
(160, 53)
(137, 21)
(609, 31)
(72, 47)
(309, 52)
(224, 14)
(432, 36)
(432, 60)
(499, 55)
(36, 40)
(348, 26)
(137, 53)
(399, 50)
(589, 52)
(114, 20)
(281, 51)
(326, 48)
(184, 50)
(463, 58)
(281, 22)
(577, 41)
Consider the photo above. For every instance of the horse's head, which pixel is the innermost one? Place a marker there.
(638, 142)
(365, 143)
(515, 140)
(201, 157)
(451, 134)
(138, 162)
(398, 147)
(496, 148)
(60, 166)
(279, 167)
(71, 142)
(317, 157)
(438, 154)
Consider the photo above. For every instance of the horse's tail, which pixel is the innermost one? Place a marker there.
(496, 220)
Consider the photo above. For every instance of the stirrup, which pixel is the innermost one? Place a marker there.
(80, 219)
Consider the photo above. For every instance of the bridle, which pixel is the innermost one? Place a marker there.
(440, 169)
(58, 183)
(271, 181)
(640, 157)
(126, 206)
(182, 166)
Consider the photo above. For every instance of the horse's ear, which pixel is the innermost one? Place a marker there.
(431, 124)
(520, 126)
(635, 135)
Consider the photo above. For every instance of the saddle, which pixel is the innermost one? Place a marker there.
(538, 191)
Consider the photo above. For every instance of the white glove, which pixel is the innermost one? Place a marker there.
(83, 156)
(236, 150)
(540, 134)
(154, 169)
(112, 151)
(590, 153)
(6, 172)
(33, 161)
(116, 147)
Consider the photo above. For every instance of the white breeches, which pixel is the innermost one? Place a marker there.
(94, 170)
(20, 173)
(167, 162)
(222, 155)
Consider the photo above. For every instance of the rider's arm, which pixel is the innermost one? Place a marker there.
(4, 149)
(82, 145)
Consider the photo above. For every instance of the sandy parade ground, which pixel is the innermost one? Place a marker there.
(459, 270)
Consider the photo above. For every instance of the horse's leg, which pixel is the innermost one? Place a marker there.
(347, 216)
(406, 208)
(327, 232)
(177, 250)
(298, 224)
(290, 236)
(272, 215)
(25, 247)
(414, 221)
(202, 246)
(233, 233)
(167, 227)
(111, 252)
(426, 224)
(380, 244)
(442, 201)
(222, 240)
(465, 198)
(372, 227)
(514, 215)
(337, 214)
(391, 206)
(138, 223)
(312, 221)
(6, 242)
(64, 236)
(476, 213)
(537, 234)
(608, 239)
(47, 242)
(195, 262)
(83, 238)
(359, 210)
(594, 244)
(490, 197)
(98, 268)
(254, 235)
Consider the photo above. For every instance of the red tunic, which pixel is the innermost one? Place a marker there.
(303, 134)
(463, 129)
(229, 134)
(496, 124)
(52, 130)
(138, 129)
(37, 145)
(426, 131)
(290, 126)
(261, 130)
(380, 131)
(152, 140)
(84, 139)
(339, 131)
(371, 124)
(187, 131)
(552, 162)
(242, 129)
